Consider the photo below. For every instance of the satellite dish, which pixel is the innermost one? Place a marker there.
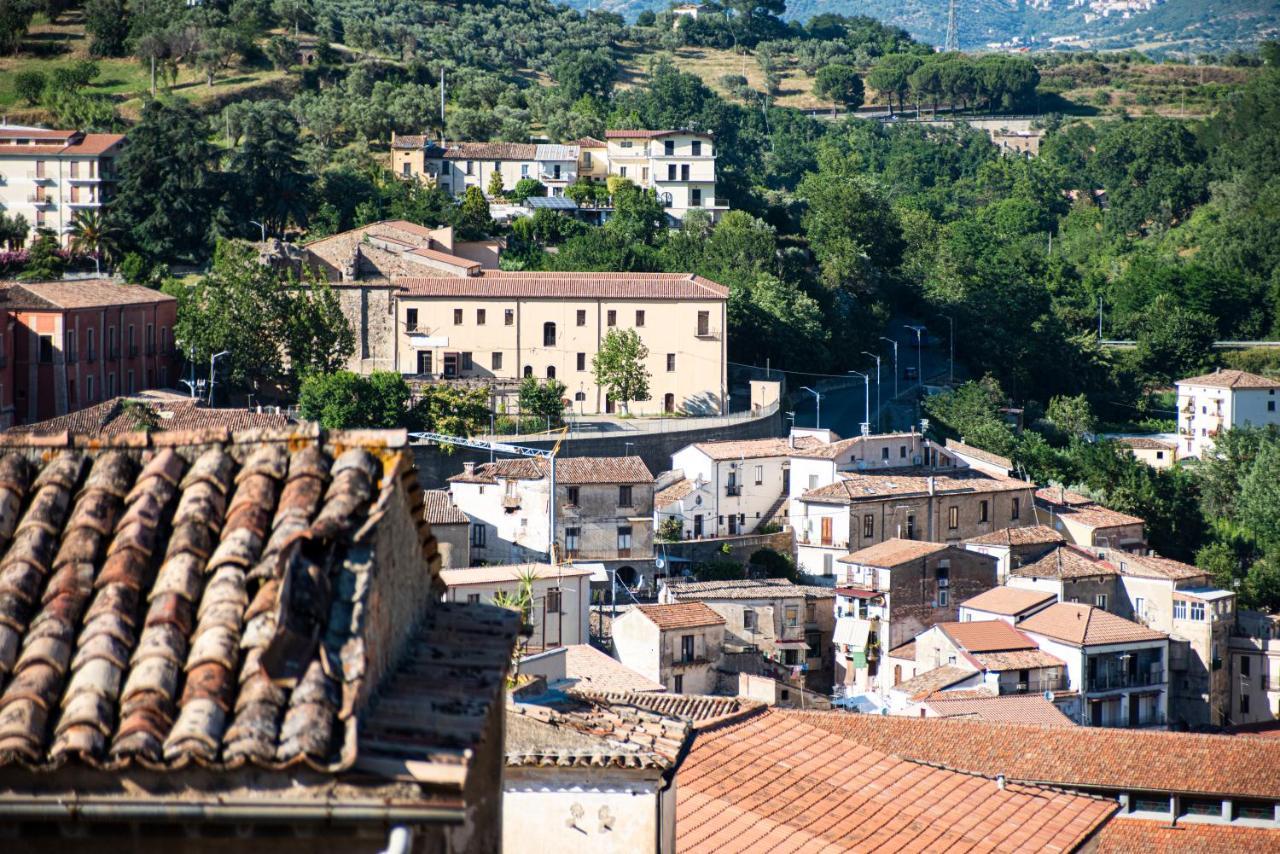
(659, 563)
(1048, 695)
(884, 712)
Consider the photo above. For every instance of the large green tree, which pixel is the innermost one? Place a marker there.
(619, 367)
(274, 183)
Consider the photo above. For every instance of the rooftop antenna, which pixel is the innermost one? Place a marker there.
(953, 37)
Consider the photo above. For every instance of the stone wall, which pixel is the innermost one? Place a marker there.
(740, 548)
(435, 467)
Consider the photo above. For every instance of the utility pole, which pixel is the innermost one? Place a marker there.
(879, 412)
(953, 36)
(817, 417)
(866, 410)
(1099, 317)
(895, 364)
(918, 330)
(951, 369)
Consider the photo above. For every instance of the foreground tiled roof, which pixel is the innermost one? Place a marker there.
(775, 782)
(1082, 757)
(498, 284)
(1031, 535)
(986, 636)
(113, 418)
(893, 553)
(1144, 836)
(698, 709)
(159, 602)
(594, 672)
(588, 732)
(571, 471)
(1007, 708)
(1228, 378)
(855, 487)
(1085, 625)
(1065, 562)
(1009, 601)
(937, 679)
(439, 509)
(84, 293)
(680, 616)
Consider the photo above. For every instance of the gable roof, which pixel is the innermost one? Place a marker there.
(737, 449)
(854, 487)
(1100, 758)
(1146, 443)
(965, 450)
(985, 636)
(159, 605)
(774, 780)
(82, 293)
(1031, 535)
(672, 493)
(1084, 625)
(1065, 562)
(595, 672)
(893, 552)
(1009, 601)
(1144, 836)
(439, 509)
(1154, 566)
(699, 709)
(590, 732)
(517, 469)
(931, 681)
(1083, 509)
(501, 284)
(1007, 708)
(113, 418)
(747, 588)
(683, 615)
(1229, 378)
(574, 471)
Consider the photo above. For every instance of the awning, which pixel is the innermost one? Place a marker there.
(598, 572)
(424, 341)
(850, 631)
(857, 593)
(791, 644)
(858, 659)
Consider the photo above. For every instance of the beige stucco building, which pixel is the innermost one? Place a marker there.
(676, 645)
(47, 176)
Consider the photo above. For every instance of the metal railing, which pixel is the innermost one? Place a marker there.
(1142, 679)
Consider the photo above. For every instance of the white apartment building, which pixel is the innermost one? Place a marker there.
(48, 175)
(679, 165)
(455, 166)
(560, 611)
(1215, 402)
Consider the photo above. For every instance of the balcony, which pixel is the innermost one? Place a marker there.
(1039, 686)
(1141, 679)
(733, 489)
(39, 177)
(708, 333)
(511, 502)
(84, 203)
(40, 200)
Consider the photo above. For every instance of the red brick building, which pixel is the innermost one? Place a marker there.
(70, 344)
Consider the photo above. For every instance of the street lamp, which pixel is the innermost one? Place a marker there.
(866, 382)
(879, 414)
(951, 369)
(261, 226)
(817, 417)
(895, 363)
(918, 330)
(212, 361)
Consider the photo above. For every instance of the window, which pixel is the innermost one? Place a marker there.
(695, 148)
(686, 648)
(528, 370)
(46, 349)
(810, 612)
(571, 536)
(472, 598)
(524, 170)
(496, 361)
(133, 344)
(1179, 610)
(572, 495)
(480, 317)
(704, 323)
(551, 372)
(151, 339)
(1139, 607)
(1101, 601)
(953, 518)
(1197, 611)
(90, 348)
(759, 475)
(982, 511)
(478, 536)
(579, 396)
(639, 317)
(88, 388)
(1150, 804)
(553, 601)
(69, 348)
(902, 452)
(668, 147)
(677, 681)
(622, 170)
(624, 540)
(684, 171)
(132, 388)
(793, 615)
(1244, 665)
(944, 597)
(111, 384)
(1015, 509)
(470, 167)
(828, 564)
(509, 317)
(624, 496)
(586, 160)
(39, 168)
(868, 525)
(695, 195)
(1200, 806)
(1271, 406)
(611, 318)
(813, 481)
(582, 361)
(582, 317)
(457, 317)
(911, 527)
(884, 453)
(548, 335)
(411, 319)
(467, 363)
(671, 362)
(671, 171)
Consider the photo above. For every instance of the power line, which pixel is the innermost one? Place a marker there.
(953, 37)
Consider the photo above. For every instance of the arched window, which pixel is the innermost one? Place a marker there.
(551, 372)
(548, 335)
(528, 370)
(580, 396)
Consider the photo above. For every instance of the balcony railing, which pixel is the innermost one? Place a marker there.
(708, 333)
(733, 489)
(1039, 686)
(1141, 679)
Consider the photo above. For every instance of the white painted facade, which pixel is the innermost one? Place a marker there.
(1205, 408)
(742, 492)
(561, 610)
(603, 811)
(510, 521)
(656, 654)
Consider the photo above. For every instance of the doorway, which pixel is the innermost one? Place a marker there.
(669, 403)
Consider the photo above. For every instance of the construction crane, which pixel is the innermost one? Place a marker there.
(953, 36)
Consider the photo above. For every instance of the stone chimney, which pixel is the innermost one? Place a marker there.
(469, 468)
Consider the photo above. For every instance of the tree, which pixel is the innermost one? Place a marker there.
(619, 367)
(168, 191)
(495, 185)
(274, 181)
(44, 261)
(344, 400)
(527, 187)
(891, 75)
(13, 231)
(107, 24)
(474, 220)
(543, 399)
(1173, 342)
(94, 235)
(1071, 415)
(450, 409)
(851, 228)
(1259, 502)
(29, 86)
(15, 17)
(319, 337)
(581, 73)
(841, 84)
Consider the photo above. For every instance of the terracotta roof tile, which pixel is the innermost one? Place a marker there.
(894, 552)
(500, 284)
(1021, 659)
(1146, 836)
(628, 133)
(1087, 757)
(1154, 566)
(439, 509)
(822, 450)
(587, 470)
(1008, 708)
(1228, 378)
(775, 782)
(489, 151)
(737, 449)
(111, 418)
(922, 685)
(747, 588)
(1008, 601)
(1146, 443)
(592, 732)
(680, 616)
(1083, 510)
(1085, 625)
(853, 487)
(1065, 562)
(519, 469)
(979, 454)
(699, 709)
(668, 495)
(83, 293)
(986, 636)
(594, 672)
(1031, 535)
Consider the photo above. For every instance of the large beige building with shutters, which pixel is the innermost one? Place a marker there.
(47, 176)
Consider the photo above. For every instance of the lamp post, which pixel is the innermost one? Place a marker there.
(817, 416)
(879, 415)
(895, 363)
(261, 226)
(866, 383)
(951, 365)
(918, 330)
(212, 362)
